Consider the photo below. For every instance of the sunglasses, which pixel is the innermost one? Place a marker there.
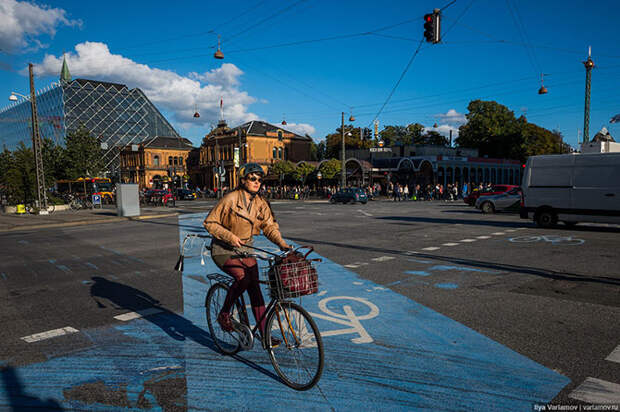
(254, 179)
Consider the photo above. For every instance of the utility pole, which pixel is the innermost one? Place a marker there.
(36, 148)
(343, 178)
(589, 65)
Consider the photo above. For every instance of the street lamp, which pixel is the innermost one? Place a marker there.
(343, 178)
(13, 96)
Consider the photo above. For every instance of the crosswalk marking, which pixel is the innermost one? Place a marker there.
(350, 266)
(483, 237)
(597, 391)
(49, 334)
(450, 244)
(498, 233)
(431, 248)
(614, 356)
(135, 315)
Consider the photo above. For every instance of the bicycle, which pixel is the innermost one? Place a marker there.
(298, 359)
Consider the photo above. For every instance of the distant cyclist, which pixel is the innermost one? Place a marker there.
(233, 222)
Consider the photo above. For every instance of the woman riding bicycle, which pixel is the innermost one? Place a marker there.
(233, 222)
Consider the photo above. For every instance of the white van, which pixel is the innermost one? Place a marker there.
(572, 188)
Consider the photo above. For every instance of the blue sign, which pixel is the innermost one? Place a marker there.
(96, 200)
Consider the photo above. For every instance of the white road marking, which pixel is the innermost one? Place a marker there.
(321, 293)
(467, 240)
(450, 244)
(351, 266)
(597, 391)
(383, 258)
(410, 252)
(498, 233)
(483, 237)
(364, 213)
(135, 315)
(511, 230)
(614, 356)
(49, 334)
(358, 283)
(431, 248)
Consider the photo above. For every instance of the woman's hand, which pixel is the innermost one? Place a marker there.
(235, 241)
(285, 247)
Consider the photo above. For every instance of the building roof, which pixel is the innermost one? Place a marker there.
(260, 128)
(603, 136)
(164, 142)
(95, 83)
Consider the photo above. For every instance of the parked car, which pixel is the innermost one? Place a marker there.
(352, 195)
(158, 197)
(184, 194)
(494, 190)
(509, 201)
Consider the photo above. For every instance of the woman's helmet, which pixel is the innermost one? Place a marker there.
(248, 168)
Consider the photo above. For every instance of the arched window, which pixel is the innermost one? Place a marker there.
(280, 152)
(170, 160)
(275, 152)
(280, 135)
(174, 160)
(155, 160)
(286, 153)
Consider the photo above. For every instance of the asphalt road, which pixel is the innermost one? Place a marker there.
(552, 296)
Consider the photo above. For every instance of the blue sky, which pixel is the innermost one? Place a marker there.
(492, 50)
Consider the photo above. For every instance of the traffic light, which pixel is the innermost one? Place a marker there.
(432, 27)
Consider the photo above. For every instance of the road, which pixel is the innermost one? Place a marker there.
(451, 309)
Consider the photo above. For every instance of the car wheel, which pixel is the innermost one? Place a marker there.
(332, 200)
(364, 202)
(546, 218)
(487, 207)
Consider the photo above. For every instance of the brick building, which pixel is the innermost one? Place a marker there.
(155, 161)
(256, 141)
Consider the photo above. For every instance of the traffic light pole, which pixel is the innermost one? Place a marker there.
(343, 178)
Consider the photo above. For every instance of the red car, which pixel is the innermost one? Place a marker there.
(494, 190)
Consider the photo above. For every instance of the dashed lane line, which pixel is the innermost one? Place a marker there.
(431, 248)
(498, 233)
(467, 240)
(483, 237)
(614, 356)
(597, 391)
(49, 334)
(450, 244)
(135, 315)
(383, 258)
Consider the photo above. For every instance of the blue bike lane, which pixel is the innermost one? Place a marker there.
(383, 351)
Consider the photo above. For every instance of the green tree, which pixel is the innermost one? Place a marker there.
(321, 150)
(415, 130)
(54, 161)
(333, 141)
(83, 154)
(282, 167)
(433, 137)
(302, 171)
(396, 135)
(330, 169)
(19, 178)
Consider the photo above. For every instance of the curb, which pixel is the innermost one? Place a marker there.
(88, 222)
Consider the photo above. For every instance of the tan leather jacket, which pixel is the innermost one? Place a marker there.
(230, 216)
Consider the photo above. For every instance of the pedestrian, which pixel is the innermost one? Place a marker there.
(406, 192)
(233, 222)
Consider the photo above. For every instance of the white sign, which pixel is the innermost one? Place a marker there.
(96, 200)
(380, 149)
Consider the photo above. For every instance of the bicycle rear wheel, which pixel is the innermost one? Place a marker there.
(299, 358)
(227, 342)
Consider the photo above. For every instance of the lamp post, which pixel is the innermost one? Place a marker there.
(343, 177)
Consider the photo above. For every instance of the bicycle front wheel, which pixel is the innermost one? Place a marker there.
(227, 342)
(299, 358)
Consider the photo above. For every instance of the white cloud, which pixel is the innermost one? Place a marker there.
(452, 117)
(301, 129)
(444, 130)
(22, 22)
(178, 95)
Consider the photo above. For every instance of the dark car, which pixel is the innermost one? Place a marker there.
(494, 190)
(184, 194)
(351, 195)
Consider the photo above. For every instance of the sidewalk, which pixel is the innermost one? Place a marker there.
(66, 218)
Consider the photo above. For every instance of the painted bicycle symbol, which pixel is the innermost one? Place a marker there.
(348, 318)
(554, 240)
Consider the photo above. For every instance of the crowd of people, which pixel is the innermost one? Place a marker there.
(450, 192)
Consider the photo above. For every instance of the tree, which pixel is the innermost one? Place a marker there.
(19, 177)
(433, 137)
(330, 169)
(83, 154)
(282, 167)
(415, 130)
(396, 136)
(54, 161)
(334, 141)
(321, 150)
(302, 171)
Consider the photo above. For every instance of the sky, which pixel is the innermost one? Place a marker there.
(307, 61)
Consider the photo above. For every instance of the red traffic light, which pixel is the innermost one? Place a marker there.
(428, 17)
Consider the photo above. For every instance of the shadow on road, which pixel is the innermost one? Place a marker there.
(549, 274)
(176, 326)
(20, 401)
